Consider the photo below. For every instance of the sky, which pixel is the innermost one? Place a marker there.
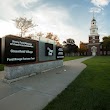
(65, 18)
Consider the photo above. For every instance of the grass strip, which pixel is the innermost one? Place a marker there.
(72, 58)
(1, 67)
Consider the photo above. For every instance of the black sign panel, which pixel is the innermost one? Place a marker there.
(59, 53)
(48, 49)
(16, 50)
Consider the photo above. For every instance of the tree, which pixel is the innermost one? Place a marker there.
(83, 48)
(40, 34)
(70, 46)
(49, 35)
(106, 44)
(53, 37)
(23, 24)
(70, 41)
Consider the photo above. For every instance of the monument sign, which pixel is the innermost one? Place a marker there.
(16, 50)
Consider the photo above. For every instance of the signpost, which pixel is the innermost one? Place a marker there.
(16, 50)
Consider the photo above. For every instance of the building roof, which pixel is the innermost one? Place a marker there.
(93, 19)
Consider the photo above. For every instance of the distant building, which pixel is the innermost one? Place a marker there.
(94, 46)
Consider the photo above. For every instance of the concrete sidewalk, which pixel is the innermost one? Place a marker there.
(35, 92)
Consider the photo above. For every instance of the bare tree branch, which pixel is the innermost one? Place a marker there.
(23, 24)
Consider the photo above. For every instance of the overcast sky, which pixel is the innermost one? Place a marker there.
(65, 18)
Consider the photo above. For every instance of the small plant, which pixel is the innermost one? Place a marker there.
(1, 67)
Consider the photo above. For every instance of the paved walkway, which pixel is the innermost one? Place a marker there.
(35, 92)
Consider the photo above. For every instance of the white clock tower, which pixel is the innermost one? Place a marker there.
(94, 28)
(93, 38)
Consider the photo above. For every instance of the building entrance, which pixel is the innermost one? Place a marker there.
(93, 50)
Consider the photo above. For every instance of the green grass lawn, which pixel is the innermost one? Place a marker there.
(89, 91)
(72, 58)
